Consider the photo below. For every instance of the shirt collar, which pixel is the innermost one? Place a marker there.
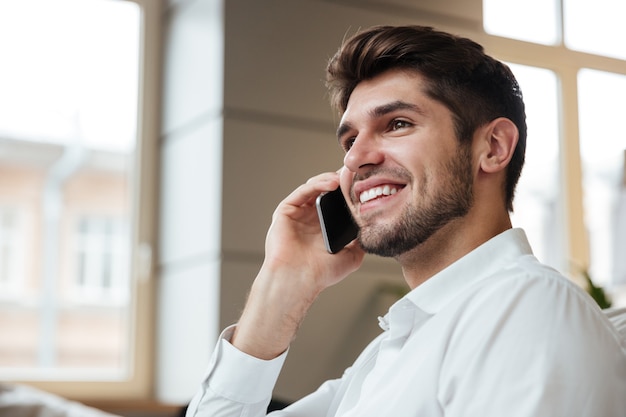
(497, 253)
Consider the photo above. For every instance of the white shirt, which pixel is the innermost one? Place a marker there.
(494, 334)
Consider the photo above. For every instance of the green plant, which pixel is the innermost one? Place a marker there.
(597, 293)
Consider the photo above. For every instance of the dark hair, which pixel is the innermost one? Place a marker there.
(475, 87)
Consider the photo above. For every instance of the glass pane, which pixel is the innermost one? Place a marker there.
(68, 100)
(602, 106)
(510, 19)
(596, 26)
(538, 196)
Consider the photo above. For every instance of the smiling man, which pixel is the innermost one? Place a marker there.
(434, 136)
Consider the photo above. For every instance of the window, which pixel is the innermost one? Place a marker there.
(572, 70)
(602, 106)
(101, 260)
(11, 253)
(537, 199)
(510, 18)
(75, 176)
(596, 27)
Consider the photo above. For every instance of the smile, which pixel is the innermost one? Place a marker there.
(376, 192)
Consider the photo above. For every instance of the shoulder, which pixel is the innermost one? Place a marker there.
(529, 283)
(528, 329)
(532, 302)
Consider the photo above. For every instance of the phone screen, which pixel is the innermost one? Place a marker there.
(338, 226)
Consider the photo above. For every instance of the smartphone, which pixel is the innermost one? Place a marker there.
(338, 226)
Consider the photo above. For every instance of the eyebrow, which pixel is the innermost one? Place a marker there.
(380, 111)
(393, 106)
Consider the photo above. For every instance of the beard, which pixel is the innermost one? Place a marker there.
(421, 219)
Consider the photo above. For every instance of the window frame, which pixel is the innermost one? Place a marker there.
(138, 384)
(99, 274)
(14, 241)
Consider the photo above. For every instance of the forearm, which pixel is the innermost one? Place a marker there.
(296, 269)
(276, 306)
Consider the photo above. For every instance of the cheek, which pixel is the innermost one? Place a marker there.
(423, 184)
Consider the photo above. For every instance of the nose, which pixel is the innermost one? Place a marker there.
(364, 153)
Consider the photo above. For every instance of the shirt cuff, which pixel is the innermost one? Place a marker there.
(239, 377)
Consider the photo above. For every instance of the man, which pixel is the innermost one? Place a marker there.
(434, 135)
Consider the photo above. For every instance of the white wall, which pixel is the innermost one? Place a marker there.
(190, 200)
(250, 143)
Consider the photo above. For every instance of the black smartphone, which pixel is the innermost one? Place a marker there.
(338, 226)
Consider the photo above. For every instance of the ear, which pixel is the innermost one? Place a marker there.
(500, 138)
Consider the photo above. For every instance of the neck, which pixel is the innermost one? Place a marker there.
(450, 243)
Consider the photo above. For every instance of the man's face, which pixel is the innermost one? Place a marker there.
(407, 176)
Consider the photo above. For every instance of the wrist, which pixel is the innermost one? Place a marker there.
(276, 307)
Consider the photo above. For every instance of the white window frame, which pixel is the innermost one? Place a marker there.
(99, 260)
(139, 384)
(11, 266)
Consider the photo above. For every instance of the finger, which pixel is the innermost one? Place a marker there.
(324, 176)
(308, 192)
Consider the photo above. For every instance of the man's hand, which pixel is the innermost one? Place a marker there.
(296, 269)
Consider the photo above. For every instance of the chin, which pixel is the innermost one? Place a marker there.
(388, 245)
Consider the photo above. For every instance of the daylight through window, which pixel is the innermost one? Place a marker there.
(68, 96)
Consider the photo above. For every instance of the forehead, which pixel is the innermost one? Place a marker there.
(393, 86)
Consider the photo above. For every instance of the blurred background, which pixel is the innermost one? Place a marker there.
(144, 145)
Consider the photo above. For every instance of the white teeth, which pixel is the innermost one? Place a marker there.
(372, 193)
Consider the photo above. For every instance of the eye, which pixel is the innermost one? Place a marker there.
(347, 143)
(397, 124)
